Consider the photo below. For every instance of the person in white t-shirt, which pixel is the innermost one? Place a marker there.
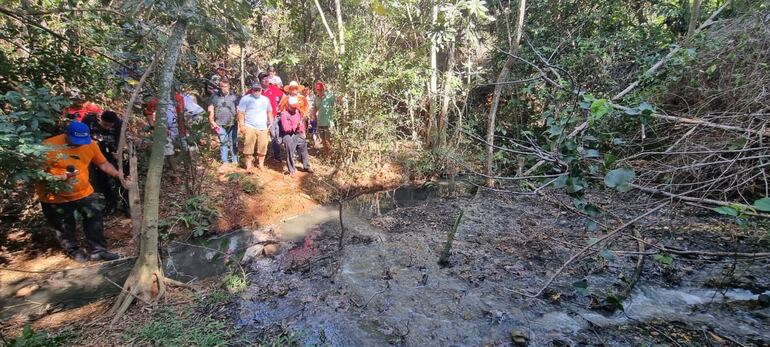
(255, 116)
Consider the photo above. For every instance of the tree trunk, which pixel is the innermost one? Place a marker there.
(694, 12)
(134, 199)
(446, 97)
(326, 25)
(433, 87)
(496, 95)
(243, 70)
(340, 26)
(146, 280)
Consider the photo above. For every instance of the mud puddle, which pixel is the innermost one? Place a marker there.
(386, 288)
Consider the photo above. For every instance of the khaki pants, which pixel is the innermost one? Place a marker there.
(255, 139)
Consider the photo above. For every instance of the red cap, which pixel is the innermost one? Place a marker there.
(320, 86)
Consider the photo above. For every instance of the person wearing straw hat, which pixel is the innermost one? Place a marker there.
(294, 89)
(292, 133)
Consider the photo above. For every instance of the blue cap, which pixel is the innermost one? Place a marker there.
(78, 133)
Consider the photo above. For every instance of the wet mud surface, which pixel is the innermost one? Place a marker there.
(385, 287)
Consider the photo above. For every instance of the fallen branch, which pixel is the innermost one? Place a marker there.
(698, 200)
(586, 248)
(443, 260)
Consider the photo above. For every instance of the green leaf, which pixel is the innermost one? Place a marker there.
(614, 301)
(664, 259)
(646, 109)
(726, 210)
(620, 179)
(581, 287)
(762, 204)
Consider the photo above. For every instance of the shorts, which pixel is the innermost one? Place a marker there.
(255, 138)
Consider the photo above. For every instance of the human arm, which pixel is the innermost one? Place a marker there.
(241, 121)
(212, 118)
(107, 168)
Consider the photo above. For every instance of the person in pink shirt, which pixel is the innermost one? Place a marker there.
(292, 131)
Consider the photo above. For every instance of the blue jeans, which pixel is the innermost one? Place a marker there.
(228, 143)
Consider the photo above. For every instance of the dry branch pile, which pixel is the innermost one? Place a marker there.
(712, 141)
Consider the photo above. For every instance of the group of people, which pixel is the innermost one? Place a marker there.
(269, 117)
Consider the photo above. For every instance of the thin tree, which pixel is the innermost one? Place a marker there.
(498, 90)
(694, 13)
(326, 25)
(146, 281)
(433, 86)
(340, 26)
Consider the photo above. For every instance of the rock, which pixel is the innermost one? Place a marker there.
(272, 249)
(210, 255)
(27, 291)
(764, 300)
(519, 338)
(251, 253)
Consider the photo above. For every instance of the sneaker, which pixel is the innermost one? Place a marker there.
(309, 170)
(104, 255)
(78, 256)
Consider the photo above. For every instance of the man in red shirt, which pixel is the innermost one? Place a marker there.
(80, 107)
(274, 95)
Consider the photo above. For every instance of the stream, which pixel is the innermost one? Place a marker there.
(385, 286)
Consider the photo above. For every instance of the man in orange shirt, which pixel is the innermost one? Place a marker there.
(68, 161)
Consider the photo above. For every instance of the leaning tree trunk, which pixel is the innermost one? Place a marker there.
(496, 95)
(146, 280)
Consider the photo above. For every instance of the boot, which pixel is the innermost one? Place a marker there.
(249, 165)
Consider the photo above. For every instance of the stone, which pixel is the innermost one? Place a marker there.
(251, 253)
(519, 338)
(272, 249)
(27, 291)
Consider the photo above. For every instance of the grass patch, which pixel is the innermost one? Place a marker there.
(236, 283)
(169, 328)
(31, 338)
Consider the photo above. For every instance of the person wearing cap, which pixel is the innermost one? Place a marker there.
(274, 95)
(292, 133)
(255, 116)
(220, 72)
(222, 118)
(274, 78)
(323, 111)
(80, 107)
(68, 161)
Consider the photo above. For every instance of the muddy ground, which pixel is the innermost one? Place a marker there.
(385, 286)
